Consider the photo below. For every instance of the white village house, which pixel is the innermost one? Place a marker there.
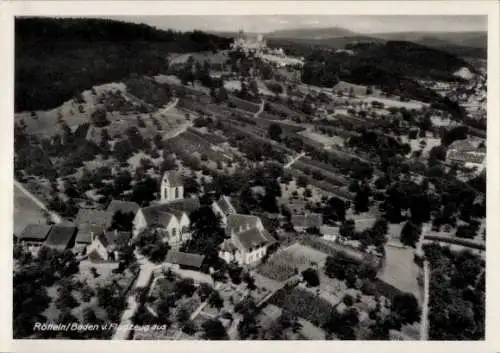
(248, 242)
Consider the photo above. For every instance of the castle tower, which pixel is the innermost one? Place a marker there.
(172, 187)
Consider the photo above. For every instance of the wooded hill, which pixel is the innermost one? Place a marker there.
(56, 58)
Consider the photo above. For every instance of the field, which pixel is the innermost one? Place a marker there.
(400, 270)
(25, 211)
(290, 261)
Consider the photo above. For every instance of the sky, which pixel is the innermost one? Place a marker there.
(356, 23)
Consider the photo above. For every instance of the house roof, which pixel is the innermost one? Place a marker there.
(122, 206)
(307, 220)
(60, 236)
(471, 157)
(185, 259)
(239, 222)
(35, 232)
(251, 238)
(462, 146)
(95, 218)
(225, 205)
(187, 205)
(113, 239)
(174, 178)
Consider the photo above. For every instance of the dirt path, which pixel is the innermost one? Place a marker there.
(289, 164)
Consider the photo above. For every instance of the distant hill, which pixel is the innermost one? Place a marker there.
(311, 33)
(465, 44)
(57, 58)
(467, 39)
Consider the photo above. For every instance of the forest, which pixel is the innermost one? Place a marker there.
(56, 58)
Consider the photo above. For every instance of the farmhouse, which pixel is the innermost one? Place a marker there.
(246, 247)
(33, 236)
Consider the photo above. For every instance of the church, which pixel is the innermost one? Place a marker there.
(171, 213)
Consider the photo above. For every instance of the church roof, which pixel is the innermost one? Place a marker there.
(157, 215)
(187, 205)
(174, 178)
(122, 206)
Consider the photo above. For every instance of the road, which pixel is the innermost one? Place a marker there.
(424, 324)
(146, 271)
(261, 109)
(53, 216)
(289, 164)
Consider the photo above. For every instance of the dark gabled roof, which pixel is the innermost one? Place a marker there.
(185, 259)
(187, 205)
(114, 239)
(239, 222)
(174, 179)
(60, 236)
(123, 206)
(35, 232)
(95, 218)
(307, 220)
(251, 239)
(225, 205)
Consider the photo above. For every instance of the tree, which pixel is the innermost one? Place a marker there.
(150, 244)
(311, 277)
(274, 132)
(214, 330)
(406, 306)
(254, 88)
(348, 300)
(215, 300)
(99, 118)
(410, 234)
